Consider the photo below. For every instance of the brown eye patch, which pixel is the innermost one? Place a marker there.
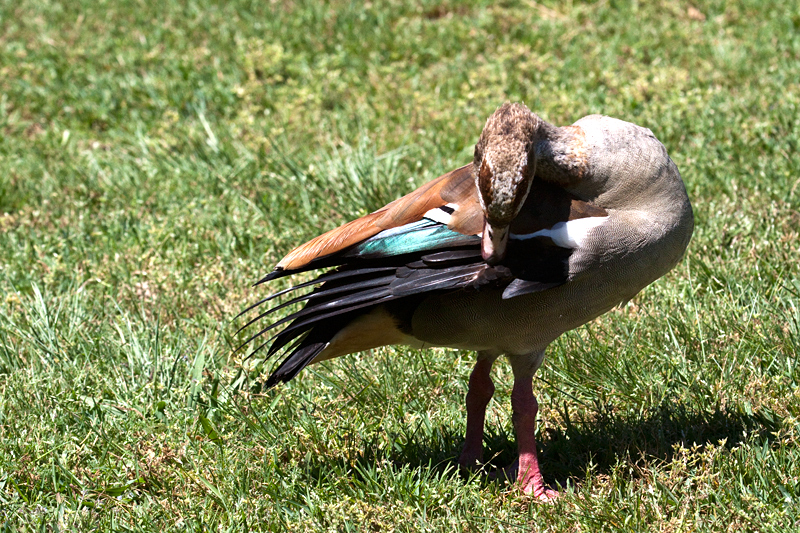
(485, 182)
(521, 195)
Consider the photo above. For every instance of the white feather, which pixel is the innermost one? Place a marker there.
(569, 234)
(437, 214)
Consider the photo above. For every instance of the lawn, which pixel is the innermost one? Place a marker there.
(157, 158)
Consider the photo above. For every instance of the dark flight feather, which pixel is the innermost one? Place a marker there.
(403, 264)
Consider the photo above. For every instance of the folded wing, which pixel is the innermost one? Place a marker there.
(386, 263)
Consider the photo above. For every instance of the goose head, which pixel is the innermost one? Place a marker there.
(503, 169)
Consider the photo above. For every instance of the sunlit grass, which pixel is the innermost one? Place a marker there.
(156, 160)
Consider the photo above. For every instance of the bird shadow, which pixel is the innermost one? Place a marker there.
(596, 439)
(600, 438)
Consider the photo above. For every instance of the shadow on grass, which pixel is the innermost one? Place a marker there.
(599, 438)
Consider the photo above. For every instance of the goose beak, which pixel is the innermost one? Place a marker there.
(493, 243)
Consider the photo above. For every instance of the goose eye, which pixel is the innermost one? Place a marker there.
(478, 155)
(486, 173)
(485, 182)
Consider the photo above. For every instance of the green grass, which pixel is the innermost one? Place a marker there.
(157, 158)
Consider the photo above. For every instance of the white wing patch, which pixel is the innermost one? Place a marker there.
(442, 215)
(569, 234)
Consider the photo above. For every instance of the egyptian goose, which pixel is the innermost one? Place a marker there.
(547, 229)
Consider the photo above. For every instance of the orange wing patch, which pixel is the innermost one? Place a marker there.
(455, 187)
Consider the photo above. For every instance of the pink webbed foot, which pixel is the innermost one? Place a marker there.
(530, 480)
(526, 480)
(470, 459)
(526, 468)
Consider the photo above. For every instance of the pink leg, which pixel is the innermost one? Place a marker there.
(524, 409)
(480, 392)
